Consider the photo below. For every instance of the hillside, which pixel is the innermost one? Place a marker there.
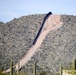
(17, 37)
(59, 46)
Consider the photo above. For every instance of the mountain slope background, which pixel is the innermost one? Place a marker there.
(59, 46)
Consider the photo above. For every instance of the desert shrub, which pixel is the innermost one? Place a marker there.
(43, 73)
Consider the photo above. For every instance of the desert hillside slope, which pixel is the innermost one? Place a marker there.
(59, 46)
(17, 36)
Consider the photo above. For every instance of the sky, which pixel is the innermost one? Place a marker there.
(10, 9)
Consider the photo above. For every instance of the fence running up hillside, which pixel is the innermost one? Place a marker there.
(38, 34)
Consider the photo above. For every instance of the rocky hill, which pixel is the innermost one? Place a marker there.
(17, 36)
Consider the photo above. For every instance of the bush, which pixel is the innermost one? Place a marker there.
(43, 73)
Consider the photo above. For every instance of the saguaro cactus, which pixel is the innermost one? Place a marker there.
(11, 68)
(74, 64)
(18, 67)
(34, 68)
(60, 69)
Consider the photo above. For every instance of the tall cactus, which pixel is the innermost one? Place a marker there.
(18, 67)
(60, 69)
(11, 68)
(34, 68)
(74, 64)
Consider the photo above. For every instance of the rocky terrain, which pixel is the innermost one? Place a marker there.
(59, 47)
(16, 37)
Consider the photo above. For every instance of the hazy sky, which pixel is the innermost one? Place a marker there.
(10, 9)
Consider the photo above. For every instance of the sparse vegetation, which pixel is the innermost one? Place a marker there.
(59, 46)
(43, 73)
